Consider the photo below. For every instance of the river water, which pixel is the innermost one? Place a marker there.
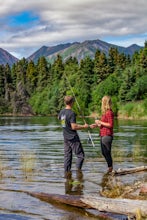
(31, 159)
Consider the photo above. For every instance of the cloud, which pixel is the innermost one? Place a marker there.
(52, 22)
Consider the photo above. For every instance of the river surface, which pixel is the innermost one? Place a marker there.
(31, 159)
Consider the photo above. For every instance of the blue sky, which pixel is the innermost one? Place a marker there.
(28, 25)
(22, 19)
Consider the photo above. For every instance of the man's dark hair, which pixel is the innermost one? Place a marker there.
(69, 100)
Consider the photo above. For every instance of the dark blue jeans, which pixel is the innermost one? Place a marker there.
(106, 142)
(70, 147)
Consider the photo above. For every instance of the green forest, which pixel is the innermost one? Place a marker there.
(39, 88)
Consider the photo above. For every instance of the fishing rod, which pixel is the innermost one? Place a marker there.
(89, 134)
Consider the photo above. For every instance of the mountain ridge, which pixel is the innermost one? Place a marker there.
(80, 50)
(6, 57)
(75, 49)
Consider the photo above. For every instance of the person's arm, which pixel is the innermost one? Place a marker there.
(108, 124)
(101, 123)
(75, 126)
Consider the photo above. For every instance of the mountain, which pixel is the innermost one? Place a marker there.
(75, 49)
(80, 50)
(131, 49)
(6, 57)
(46, 51)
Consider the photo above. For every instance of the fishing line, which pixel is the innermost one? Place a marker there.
(89, 134)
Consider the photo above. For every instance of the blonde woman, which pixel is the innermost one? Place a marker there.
(106, 130)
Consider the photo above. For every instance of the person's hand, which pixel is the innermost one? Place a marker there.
(93, 126)
(86, 125)
(98, 123)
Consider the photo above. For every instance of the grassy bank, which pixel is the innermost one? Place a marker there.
(133, 110)
(128, 110)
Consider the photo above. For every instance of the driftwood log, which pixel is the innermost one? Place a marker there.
(129, 170)
(119, 206)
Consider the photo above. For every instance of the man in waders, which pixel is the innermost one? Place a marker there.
(72, 141)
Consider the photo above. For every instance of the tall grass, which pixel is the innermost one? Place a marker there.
(133, 110)
(27, 162)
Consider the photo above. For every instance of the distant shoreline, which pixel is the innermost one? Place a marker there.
(93, 115)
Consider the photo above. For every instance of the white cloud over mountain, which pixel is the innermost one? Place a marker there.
(30, 24)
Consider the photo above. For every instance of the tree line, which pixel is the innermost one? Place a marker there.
(40, 87)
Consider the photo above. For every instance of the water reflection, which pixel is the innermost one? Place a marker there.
(74, 186)
(111, 186)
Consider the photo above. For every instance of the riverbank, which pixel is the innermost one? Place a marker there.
(129, 110)
(133, 110)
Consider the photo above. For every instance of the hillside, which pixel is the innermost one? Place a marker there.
(46, 51)
(80, 50)
(6, 57)
(75, 49)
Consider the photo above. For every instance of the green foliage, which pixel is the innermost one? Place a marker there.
(144, 105)
(44, 85)
(39, 102)
(133, 86)
(31, 77)
(55, 102)
(58, 68)
(139, 90)
(43, 76)
(110, 87)
(115, 104)
(133, 110)
(4, 106)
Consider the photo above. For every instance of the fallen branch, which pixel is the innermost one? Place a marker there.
(130, 170)
(64, 199)
(119, 206)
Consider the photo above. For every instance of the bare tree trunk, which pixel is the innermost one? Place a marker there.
(130, 170)
(120, 206)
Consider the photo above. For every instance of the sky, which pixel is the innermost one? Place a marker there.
(26, 26)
